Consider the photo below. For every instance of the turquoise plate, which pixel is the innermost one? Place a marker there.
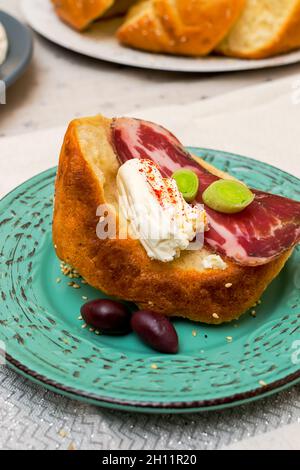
(45, 341)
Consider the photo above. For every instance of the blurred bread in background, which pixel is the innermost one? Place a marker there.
(249, 29)
(81, 13)
(265, 28)
(179, 26)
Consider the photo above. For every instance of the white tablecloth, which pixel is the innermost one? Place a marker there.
(60, 85)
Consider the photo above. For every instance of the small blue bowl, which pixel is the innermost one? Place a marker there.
(20, 49)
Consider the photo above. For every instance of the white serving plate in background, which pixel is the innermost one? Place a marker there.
(100, 43)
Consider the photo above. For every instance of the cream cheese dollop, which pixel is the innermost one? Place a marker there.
(155, 210)
(3, 44)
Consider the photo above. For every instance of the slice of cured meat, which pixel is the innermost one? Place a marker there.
(255, 236)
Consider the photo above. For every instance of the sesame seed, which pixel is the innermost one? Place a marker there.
(228, 285)
(154, 366)
(76, 286)
(97, 332)
(80, 317)
(229, 339)
(262, 383)
(63, 433)
(253, 313)
(83, 281)
(215, 315)
(68, 270)
(84, 297)
(194, 333)
(259, 302)
(92, 330)
(70, 284)
(58, 279)
(84, 325)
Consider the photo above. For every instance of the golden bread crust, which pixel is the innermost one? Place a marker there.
(179, 27)
(81, 14)
(121, 268)
(286, 40)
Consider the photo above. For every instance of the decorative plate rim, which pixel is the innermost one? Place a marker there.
(156, 406)
(199, 405)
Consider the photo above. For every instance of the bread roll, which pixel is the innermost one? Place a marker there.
(86, 178)
(192, 28)
(81, 13)
(265, 28)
